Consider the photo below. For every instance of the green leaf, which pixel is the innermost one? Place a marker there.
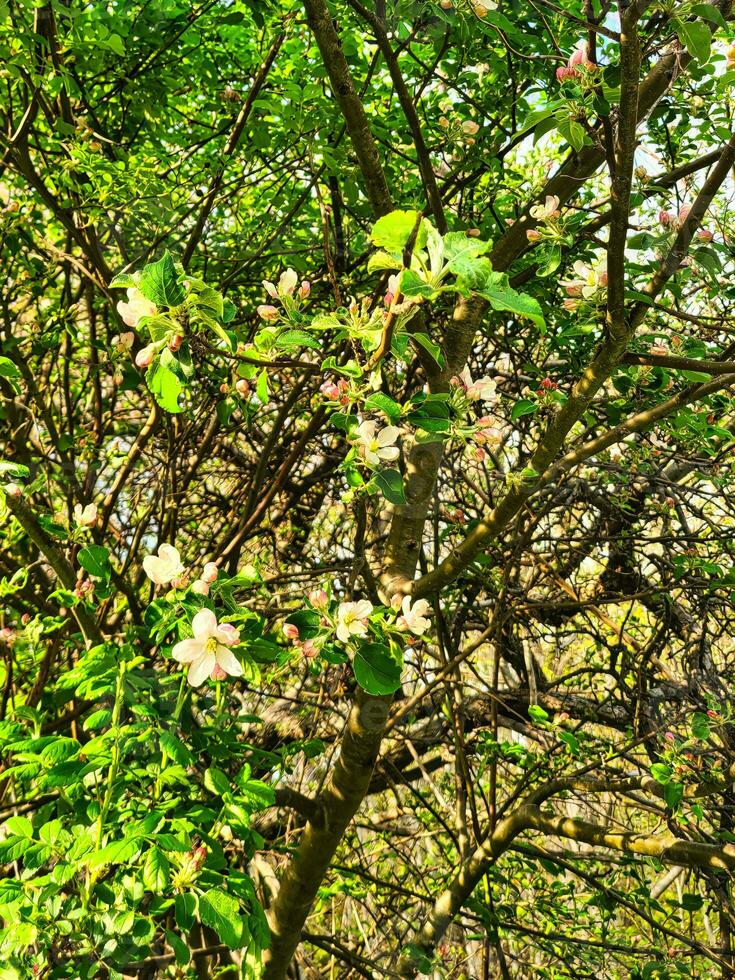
(378, 402)
(221, 912)
(165, 386)
(8, 368)
(175, 749)
(461, 252)
(96, 560)
(413, 285)
(216, 782)
(123, 281)
(523, 407)
(119, 852)
(156, 870)
(159, 283)
(661, 773)
(700, 725)
(501, 296)
(390, 484)
(393, 231)
(185, 907)
(376, 669)
(536, 713)
(293, 339)
(181, 950)
(381, 261)
(20, 826)
(428, 344)
(696, 38)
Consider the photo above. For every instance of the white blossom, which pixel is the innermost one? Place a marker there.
(207, 652)
(136, 307)
(165, 567)
(414, 618)
(374, 446)
(352, 619)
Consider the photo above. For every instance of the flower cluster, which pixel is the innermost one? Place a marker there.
(589, 284)
(482, 390)
(579, 62)
(286, 293)
(547, 215)
(350, 622)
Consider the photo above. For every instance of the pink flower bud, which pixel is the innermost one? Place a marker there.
(210, 572)
(330, 390)
(13, 490)
(228, 634)
(290, 631)
(445, 4)
(175, 343)
(388, 299)
(145, 356)
(218, 674)
(25, 619)
(479, 453)
(224, 389)
(396, 601)
(684, 213)
(570, 304)
(199, 854)
(309, 648)
(304, 289)
(665, 218)
(532, 235)
(473, 232)
(319, 599)
(268, 313)
(566, 74)
(711, 713)
(670, 737)
(705, 235)
(242, 387)
(271, 289)
(200, 588)
(578, 57)
(7, 636)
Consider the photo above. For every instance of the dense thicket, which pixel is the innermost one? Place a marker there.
(367, 572)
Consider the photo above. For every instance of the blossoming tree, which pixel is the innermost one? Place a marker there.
(367, 574)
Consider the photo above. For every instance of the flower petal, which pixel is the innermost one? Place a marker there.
(201, 669)
(204, 624)
(388, 435)
(228, 661)
(187, 650)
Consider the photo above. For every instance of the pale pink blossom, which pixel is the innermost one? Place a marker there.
(291, 631)
(210, 572)
(352, 619)
(287, 282)
(207, 652)
(319, 599)
(85, 516)
(136, 307)
(242, 387)
(200, 587)
(414, 618)
(268, 313)
(165, 567)
(376, 446)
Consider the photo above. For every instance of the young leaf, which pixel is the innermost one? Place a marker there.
(156, 870)
(393, 231)
(159, 283)
(390, 484)
(221, 912)
(376, 670)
